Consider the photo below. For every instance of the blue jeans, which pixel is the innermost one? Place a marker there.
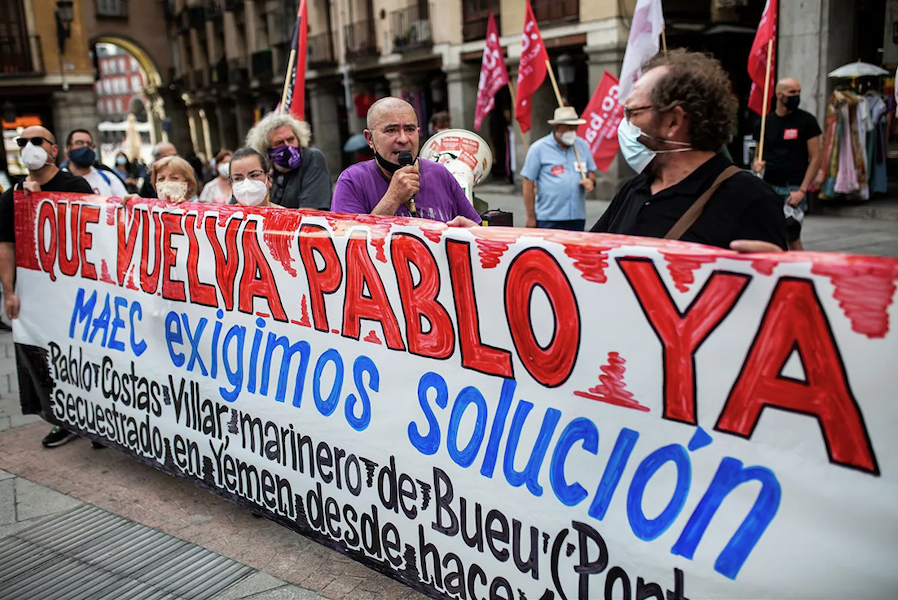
(783, 192)
(572, 225)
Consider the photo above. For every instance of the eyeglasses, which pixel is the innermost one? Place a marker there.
(256, 175)
(82, 144)
(35, 141)
(629, 112)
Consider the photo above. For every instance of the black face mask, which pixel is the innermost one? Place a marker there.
(792, 102)
(387, 165)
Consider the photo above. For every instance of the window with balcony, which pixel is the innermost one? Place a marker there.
(556, 11)
(476, 15)
(411, 27)
(112, 9)
(360, 40)
(320, 49)
(16, 57)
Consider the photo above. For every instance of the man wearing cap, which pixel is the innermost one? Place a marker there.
(554, 189)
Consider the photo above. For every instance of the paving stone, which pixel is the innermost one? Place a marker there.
(254, 584)
(4, 423)
(19, 420)
(7, 501)
(288, 592)
(33, 500)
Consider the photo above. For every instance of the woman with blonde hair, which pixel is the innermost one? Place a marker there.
(173, 180)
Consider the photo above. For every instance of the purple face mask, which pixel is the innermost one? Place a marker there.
(288, 157)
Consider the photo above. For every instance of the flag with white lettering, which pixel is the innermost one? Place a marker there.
(493, 74)
(532, 70)
(757, 60)
(603, 114)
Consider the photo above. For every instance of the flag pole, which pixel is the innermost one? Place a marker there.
(664, 39)
(580, 163)
(292, 60)
(513, 104)
(760, 154)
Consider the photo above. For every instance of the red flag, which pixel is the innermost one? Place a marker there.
(757, 59)
(603, 114)
(532, 70)
(493, 74)
(296, 80)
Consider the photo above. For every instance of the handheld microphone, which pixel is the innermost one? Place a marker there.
(406, 160)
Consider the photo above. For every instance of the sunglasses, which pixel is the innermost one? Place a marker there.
(35, 141)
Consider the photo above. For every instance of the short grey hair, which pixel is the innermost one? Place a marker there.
(157, 149)
(257, 137)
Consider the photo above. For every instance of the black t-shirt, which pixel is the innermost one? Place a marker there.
(786, 146)
(63, 181)
(742, 208)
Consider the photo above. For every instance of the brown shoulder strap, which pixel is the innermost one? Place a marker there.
(694, 212)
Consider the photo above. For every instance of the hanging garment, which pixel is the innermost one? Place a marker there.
(846, 178)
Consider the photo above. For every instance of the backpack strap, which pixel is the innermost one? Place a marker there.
(695, 211)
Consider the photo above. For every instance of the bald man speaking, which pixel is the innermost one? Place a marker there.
(384, 187)
(792, 155)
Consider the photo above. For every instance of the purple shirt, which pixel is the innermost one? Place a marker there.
(440, 197)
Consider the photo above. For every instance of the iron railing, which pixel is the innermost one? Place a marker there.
(218, 74)
(237, 71)
(320, 49)
(112, 9)
(17, 58)
(212, 9)
(360, 39)
(261, 64)
(474, 28)
(196, 17)
(556, 11)
(411, 28)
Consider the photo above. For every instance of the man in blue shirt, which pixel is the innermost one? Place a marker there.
(554, 189)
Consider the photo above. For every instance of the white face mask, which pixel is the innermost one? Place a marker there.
(224, 169)
(568, 138)
(250, 192)
(34, 157)
(637, 154)
(171, 190)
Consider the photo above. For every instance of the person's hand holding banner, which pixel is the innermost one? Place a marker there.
(603, 114)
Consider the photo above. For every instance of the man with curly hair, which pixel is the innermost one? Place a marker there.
(300, 176)
(677, 120)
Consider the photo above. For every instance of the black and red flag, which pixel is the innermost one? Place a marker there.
(295, 86)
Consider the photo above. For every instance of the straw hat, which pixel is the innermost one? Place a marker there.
(566, 115)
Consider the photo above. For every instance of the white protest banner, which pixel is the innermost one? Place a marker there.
(486, 412)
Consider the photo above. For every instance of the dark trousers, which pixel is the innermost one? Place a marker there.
(572, 225)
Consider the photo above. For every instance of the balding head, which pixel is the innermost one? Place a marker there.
(37, 130)
(385, 106)
(787, 92)
(392, 128)
(164, 149)
(786, 85)
(42, 138)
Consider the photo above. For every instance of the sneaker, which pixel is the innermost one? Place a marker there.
(57, 437)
